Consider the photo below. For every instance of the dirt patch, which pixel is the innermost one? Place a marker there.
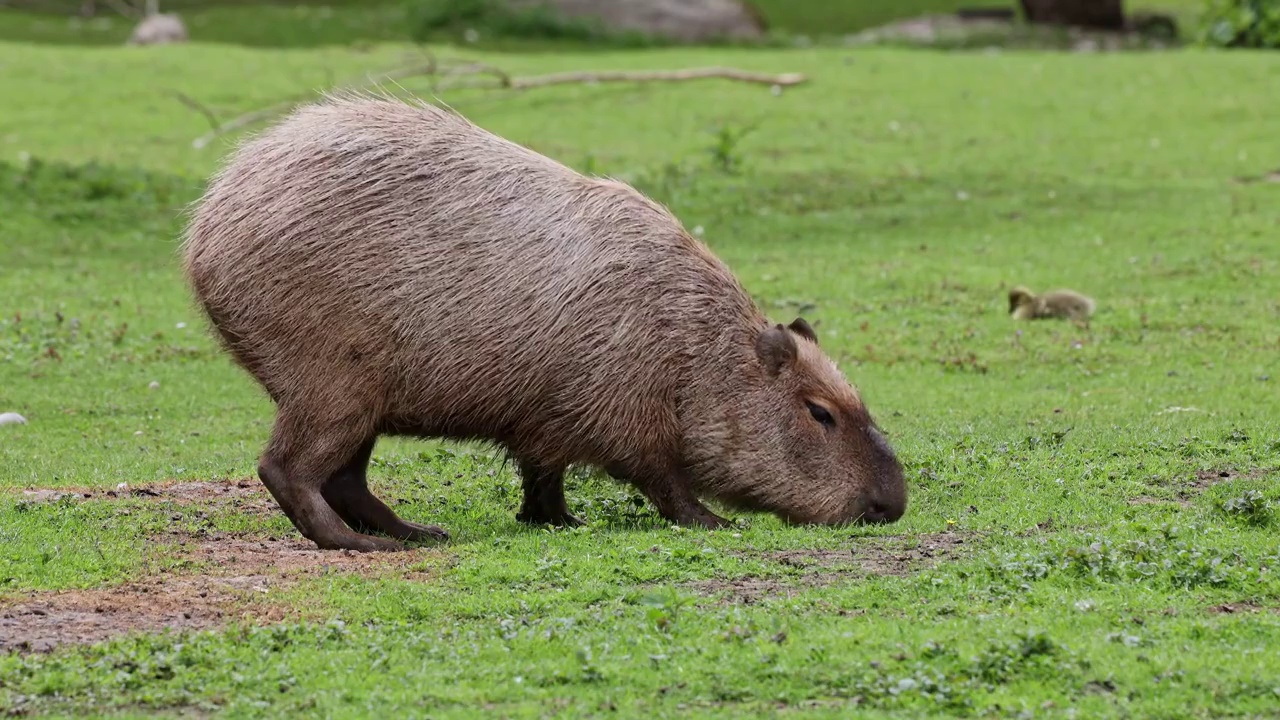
(244, 495)
(224, 579)
(1146, 500)
(891, 555)
(1271, 177)
(751, 589)
(1208, 478)
(917, 553)
(1239, 608)
(1205, 479)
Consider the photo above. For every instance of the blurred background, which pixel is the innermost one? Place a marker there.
(490, 23)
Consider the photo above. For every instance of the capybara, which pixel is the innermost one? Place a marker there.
(1055, 304)
(389, 268)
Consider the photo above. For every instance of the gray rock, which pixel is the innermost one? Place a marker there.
(159, 30)
(683, 20)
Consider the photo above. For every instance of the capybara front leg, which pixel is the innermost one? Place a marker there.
(544, 502)
(670, 495)
(294, 471)
(347, 492)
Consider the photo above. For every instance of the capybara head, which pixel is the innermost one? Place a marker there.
(814, 454)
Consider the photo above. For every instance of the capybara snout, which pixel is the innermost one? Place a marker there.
(389, 268)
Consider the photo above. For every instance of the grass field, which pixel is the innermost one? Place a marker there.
(1092, 529)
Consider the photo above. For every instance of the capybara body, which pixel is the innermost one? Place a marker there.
(386, 268)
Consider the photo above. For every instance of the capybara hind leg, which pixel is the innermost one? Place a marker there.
(670, 495)
(347, 492)
(292, 474)
(544, 502)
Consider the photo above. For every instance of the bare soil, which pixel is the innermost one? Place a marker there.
(225, 579)
(820, 567)
(1187, 488)
(1208, 478)
(1246, 606)
(243, 495)
(1147, 500)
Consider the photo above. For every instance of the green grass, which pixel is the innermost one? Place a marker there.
(892, 201)
(314, 23)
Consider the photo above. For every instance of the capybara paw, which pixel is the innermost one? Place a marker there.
(559, 519)
(360, 543)
(568, 520)
(708, 520)
(424, 533)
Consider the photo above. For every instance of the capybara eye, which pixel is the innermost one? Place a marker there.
(820, 414)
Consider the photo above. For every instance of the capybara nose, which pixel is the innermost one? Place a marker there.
(881, 512)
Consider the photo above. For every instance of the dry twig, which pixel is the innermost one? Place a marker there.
(197, 106)
(442, 76)
(784, 80)
(243, 121)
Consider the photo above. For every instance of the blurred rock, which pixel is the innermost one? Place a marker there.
(1097, 14)
(683, 20)
(159, 30)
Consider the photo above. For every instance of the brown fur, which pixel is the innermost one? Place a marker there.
(1057, 304)
(385, 268)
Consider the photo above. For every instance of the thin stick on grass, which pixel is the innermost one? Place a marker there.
(250, 118)
(243, 121)
(505, 81)
(784, 80)
(196, 105)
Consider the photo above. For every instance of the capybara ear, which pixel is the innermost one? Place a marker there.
(802, 328)
(776, 348)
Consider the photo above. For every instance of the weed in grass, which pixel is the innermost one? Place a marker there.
(1173, 557)
(726, 152)
(1251, 506)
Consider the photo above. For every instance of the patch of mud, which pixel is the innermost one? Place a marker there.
(225, 580)
(244, 495)
(871, 556)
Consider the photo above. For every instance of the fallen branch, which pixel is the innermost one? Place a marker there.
(504, 80)
(785, 80)
(197, 106)
(243, 121)
(250, 118)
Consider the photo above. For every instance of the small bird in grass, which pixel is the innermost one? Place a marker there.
(1058, 304)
